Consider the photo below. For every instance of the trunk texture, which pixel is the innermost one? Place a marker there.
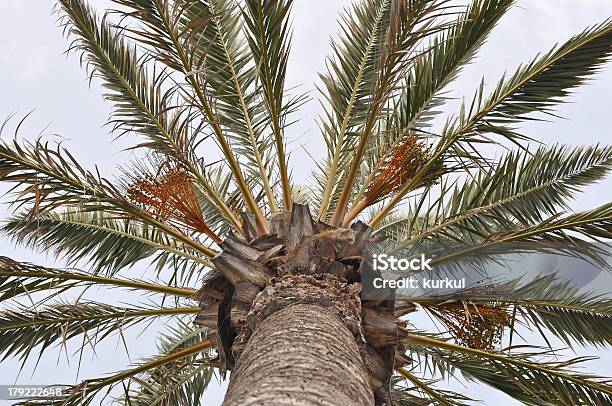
(302, 354)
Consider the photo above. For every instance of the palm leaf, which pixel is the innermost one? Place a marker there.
(538, 85)
(348, 89)
(23, 329)
(545, 81)
(592, 224)
(435, 396)
(520, 375)
(109, 243)
(13, 286)
(422, 90)
(572, 315)
(141, 104)
(85, 393)
(18, 278)
(179, 383)
(164, 31)
(51, 178)
(568, 313)
(230, 79)
(410, 22)
(442, 62)
(268, 34)
(523, 188)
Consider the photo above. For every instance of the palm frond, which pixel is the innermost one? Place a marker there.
(348, 89)
(23, 329)
(85, 393)
(427, 78)
(141, 103)
(519, 374)
(21, 278)
(523, 188)
(268, 33)
(50, 178)
(178, 383)
(542, 83)
(569, 314)
(442, 62)
(435, 397)
(545, 303)
(13, 286)
(410, 22)
(593, 224)
(231, 80)
(108, 243)
(164, 30)
(536, 86)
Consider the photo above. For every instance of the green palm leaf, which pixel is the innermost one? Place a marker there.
(51, 178)
(523, 188)
(569, 313)
(141, 104)
(520, 375)
(231, 79)
(422, 90)
(165, 32)
(110, 244)
(268, 33)
(19, 278)
(410, 23)
(536, 86)
(86, 392)
(13, 285)
(593, 224)
(22, 329)
(434, 396)
(348, 90)
(178, 383)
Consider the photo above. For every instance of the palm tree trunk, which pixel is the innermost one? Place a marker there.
(289, 317)
(303, 354)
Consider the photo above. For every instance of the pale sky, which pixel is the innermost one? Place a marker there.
(35, 74)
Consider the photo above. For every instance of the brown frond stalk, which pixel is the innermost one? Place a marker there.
(403, 164)
(170, 196)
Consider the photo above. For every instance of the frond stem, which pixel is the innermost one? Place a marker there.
(125, 283)
(116, 315)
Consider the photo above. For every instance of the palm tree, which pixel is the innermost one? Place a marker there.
(265, 275)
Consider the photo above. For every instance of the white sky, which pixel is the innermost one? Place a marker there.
(35, 74)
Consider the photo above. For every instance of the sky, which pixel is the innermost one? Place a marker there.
(35, 74)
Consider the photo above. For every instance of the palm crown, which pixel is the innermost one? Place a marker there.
(201, 85)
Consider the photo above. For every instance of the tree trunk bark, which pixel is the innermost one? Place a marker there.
(302, 354)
